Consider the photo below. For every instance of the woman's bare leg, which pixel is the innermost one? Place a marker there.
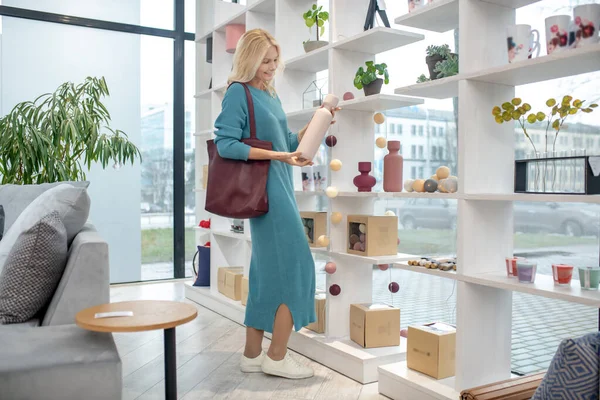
(282, 329)
(254, 339)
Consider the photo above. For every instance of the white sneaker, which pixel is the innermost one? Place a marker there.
(252, 364)
(289, 368)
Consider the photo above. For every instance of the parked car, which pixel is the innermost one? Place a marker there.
(563, 218)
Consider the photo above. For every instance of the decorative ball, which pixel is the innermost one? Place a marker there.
(323, 241)
(398, 241)
(390, 213)
(357, 246)
(379, 118)
(330, 140)
(434, 177)
(408, 185)
(394, 287)
(419, 185)
(362, 237)
(336, 217)
(348, 96)
(441, 185)
(330, 267)
(404, 333)
(331, 192)
(335, 290)
(383, 267)
(451, 185)
(381, 142)
(362, 228)
(354, 239)
(430, 185)
(335, 164)
(443, 172)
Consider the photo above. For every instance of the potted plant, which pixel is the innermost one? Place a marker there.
(368, 80)
(436, 54)
(447, 67)
(315, 17)
(54, 137)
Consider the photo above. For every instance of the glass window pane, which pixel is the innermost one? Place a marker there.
(151, 13)
(115, 194)
(191, 171)
(190, 16)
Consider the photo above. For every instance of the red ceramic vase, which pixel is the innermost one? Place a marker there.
(364, 182)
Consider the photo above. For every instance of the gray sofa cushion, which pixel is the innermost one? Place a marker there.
(15, 198)
(72, 204)
(2, 217)
(59, 363)
(33, 269)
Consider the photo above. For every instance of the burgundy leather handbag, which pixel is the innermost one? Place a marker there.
(237, 188)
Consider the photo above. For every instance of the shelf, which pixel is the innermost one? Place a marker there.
(263, 6)
(204, 230)
(301, 115)
(379, 102)
(443, 88)
(511, 3)
(440, 16)
(377, 260)
(398, 382)
(553, 66)
(378, 40)
(543, 286)
(340, 354)
(557, 198)
(314, 61)
(199, 190)
(401, 195)
(205, 132)
(309, 193)
(203, 94)
(422, 270)
(229, 234)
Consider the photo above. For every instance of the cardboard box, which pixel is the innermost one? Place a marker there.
(315, 225)
(372, 235)
(431, 349)
(204, 176)
(245, 288)
(319, 325)
(230, 282)
(521, 388)
(375, 325)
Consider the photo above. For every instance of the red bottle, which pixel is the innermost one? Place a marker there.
(392, 168)
(364, 182)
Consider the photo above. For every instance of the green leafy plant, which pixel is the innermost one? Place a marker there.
(52, 138)
(315, 16)
(442, 51)
(555, 118)
(447, 67)
(364, 77)
(422, 78)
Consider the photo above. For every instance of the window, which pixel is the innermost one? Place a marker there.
(441, 132)
(433, 152)
(399, 129)
(421, 130)
(413, 172)
(421, 173)
(377, 128)
(392, 128)
(433, 131)
(413, 151)
(421, 152)
(413, 130)
(441, 152)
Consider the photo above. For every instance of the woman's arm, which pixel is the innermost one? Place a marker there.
(229, 125)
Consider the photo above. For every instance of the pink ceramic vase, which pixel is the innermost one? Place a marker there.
(233, 33)
(392, 168)
(364, 182)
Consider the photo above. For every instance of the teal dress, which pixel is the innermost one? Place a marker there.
(282, 269)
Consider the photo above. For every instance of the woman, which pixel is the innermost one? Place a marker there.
(282, 272)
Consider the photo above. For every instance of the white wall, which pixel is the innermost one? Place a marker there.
(37, 57)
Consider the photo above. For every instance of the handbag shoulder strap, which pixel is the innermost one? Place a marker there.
(250, 109)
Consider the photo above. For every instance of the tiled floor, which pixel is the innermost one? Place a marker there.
(539, 324)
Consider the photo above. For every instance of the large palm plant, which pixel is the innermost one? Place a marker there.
(58, 134)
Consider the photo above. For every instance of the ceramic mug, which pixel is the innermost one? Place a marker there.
(522, 42)
(414, 5)
(557, 33)
(586, 20)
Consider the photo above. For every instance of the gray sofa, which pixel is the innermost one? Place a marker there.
(50, 357)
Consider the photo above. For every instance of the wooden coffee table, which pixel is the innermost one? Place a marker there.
(147, 315)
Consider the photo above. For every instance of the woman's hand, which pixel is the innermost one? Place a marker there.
(333, 111)
(292, 158)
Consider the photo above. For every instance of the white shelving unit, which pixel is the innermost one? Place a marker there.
(485, 171)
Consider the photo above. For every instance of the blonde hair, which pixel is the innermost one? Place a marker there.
(249, 54)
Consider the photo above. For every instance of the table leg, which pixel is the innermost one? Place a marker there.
(170, 365)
